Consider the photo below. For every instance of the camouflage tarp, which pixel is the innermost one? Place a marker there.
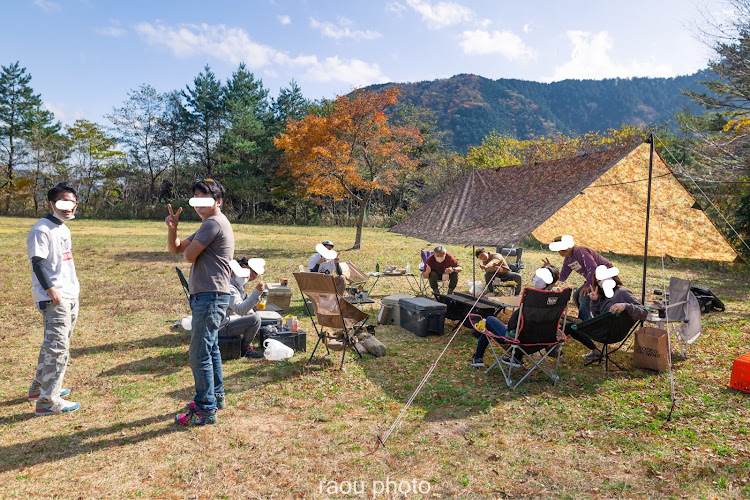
(598, 198)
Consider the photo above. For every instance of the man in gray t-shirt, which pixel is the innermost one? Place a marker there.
(209, 250)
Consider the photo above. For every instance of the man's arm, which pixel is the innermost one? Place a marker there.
(427, 269)
(193, 250)
(174, 244)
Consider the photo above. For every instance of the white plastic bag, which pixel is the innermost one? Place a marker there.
(276, 351)
(187, 323)
(476, 287)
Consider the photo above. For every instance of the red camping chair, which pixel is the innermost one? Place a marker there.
(538, 329)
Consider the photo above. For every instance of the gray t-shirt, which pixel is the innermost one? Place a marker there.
(210, 272)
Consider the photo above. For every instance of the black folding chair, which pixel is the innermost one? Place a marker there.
(184, 282)
(538, 329)
(608, 329)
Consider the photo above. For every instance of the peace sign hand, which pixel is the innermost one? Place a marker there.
(173, 218)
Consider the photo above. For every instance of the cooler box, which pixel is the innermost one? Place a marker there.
(422, 316)
(269, 318)
(280, 295)
(296, 340)
(459, 304)
(230, 348)
(392, 301)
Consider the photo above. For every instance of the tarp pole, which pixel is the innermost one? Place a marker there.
(648, 214)
(473, 273)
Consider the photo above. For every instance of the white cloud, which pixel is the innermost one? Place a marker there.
(47, 5)
(590, 59)
(234, 45)
(63, 113)
(395, 8)
(342, 30)
(527, 28)
(284, 20)
(505, 43)
(113, 31)
(441, 14)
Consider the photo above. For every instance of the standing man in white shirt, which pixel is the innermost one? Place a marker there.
(56, 290)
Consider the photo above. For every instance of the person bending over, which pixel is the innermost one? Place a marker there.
(438, 264)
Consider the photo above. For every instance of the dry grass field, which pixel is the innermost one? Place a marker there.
(296, 432)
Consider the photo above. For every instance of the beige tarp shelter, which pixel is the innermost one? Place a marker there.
(598, 198)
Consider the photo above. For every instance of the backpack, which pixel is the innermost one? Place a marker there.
(707, 300)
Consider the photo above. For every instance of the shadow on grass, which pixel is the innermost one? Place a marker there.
(44, 450)
(167, 340)
(150, 256)
(455, 390)
(164, 364)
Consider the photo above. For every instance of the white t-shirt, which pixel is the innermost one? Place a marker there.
(51, 240)
(326, 267)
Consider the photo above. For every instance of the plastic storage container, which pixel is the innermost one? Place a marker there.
(459, 305)
(422, 316)
(740, 378)
(280, 295)
(230, 348)
(269, 318)
(296, 340)
(392, 302)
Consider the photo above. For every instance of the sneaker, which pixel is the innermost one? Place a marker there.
(194, 417)
(477, 363)
(252, 353)
(34, 397)
(220, 404)
(57, 409)
(512, 362)
(592, 356)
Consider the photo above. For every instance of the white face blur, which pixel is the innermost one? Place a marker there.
(67, 213)
(205, 212)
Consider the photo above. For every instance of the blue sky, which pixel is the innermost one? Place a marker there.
(84, 55)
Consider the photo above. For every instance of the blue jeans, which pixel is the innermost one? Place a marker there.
(209, 310)
(495, 326)
(583, 303)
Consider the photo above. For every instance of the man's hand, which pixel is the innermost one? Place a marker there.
(260, 286)
(545, 262)
(52, 292)
(336, 260)
(426, 273)
(616, 308)
(482, 267)
(173, 218)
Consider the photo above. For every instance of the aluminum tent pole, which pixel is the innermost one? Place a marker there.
(473, 273)
(648, 214)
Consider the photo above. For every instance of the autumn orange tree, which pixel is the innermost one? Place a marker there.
(350, 152)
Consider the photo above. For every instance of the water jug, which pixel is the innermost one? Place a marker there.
(276, 351)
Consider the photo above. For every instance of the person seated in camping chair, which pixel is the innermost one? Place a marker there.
(325, 260)
(545, 278)
(607, 294)
(438, 264)
(495, 266)
(241, 319)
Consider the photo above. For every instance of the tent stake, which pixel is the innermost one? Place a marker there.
(648, 213)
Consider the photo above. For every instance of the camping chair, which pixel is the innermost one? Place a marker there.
(538, 328)
(608, 329)
(682, 315)
(325, 293)
(424, 284)
(352, 274)
(507, 284)
(184, 283)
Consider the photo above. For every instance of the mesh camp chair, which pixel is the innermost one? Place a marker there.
(607, 329)
(682, 315)
(325, 293)
(352, 274)
(538, 329)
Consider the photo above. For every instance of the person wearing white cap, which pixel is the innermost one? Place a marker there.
(241, 318)
(325, 260)
(583, 261)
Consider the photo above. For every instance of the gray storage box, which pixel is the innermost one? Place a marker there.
(422, 316)
(392, 302)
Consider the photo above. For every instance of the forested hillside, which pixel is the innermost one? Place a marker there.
(468, 107)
